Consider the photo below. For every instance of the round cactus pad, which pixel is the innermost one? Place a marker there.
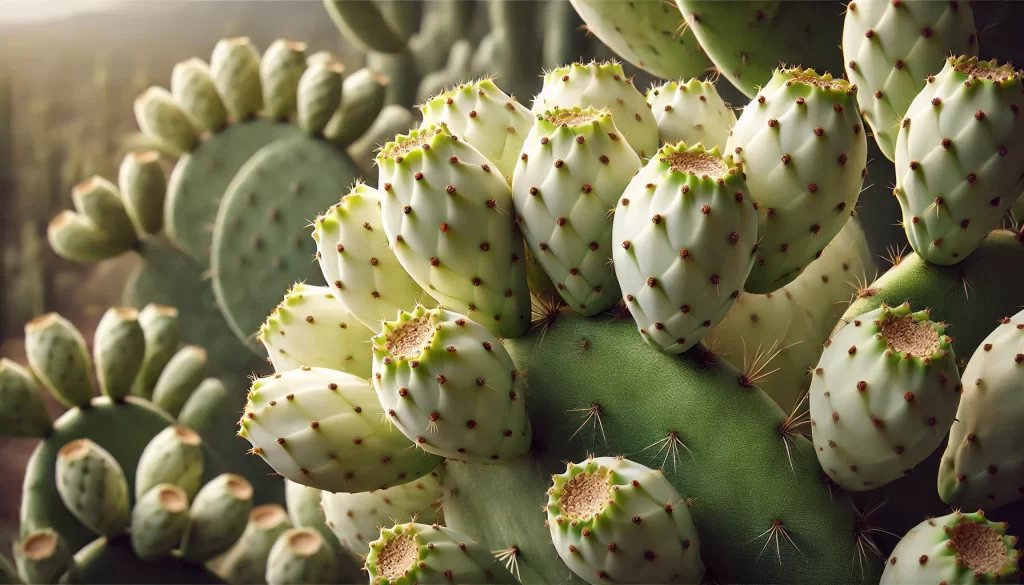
(261, 242)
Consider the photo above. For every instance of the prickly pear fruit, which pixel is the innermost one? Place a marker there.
(484, 116)
(217, 517)
(160, 328)
(93, 487)
(281, 67)
(158, 116)
(572, 171)
(449, 385)
(100, 201)
(203, 405)
(956, 548)
(159, 521)
(42, 556)
(235, 69)
(683, 239)
(246, 561)
(357, 518)
(612, 519)
(193, 89)
(804, 151)
(691, 112)
(180, 377)
(118, 348)
(981, 465)
(74, 237)
(22, 410)
(882, 396)
(448, 215)
(57, 354)
(173, 456)
(301, 556)
(358, 265)
(143, 187)
(326, 429)
(890, 48)
(602, 85)
(431, 554)
(310, 328)
(958, 157)
(319, 94)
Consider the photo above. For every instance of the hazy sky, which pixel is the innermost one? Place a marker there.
(35, 10)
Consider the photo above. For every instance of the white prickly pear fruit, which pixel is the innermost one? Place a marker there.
(326, 429)
(804, 151)
(571, 173)
(310, 328)
(356, 518)
(359, 265)
(614, 520)
(956, 548)
(882, 396)
(683, 242)
(890, 48)
(448, 216)
(602, 86)
(484, 116)
(982, 466)
(450, 386)
(959, 153)
(691, 112)
(431, 555)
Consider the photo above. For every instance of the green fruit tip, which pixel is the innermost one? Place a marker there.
(911, 334)
(973, 68)
(575, 117)
(409, 336)
(415, 142)
(699, 162)
(396, 553)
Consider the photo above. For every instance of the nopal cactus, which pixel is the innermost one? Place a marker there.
(683, 240)
(958, 157)
(891, 48)
(804, 152)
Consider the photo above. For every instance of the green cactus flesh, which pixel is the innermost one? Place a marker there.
(981, 466)
(254, 258)
(890, 49)
(683, 242)
(572, 170)
(650, 35)
(585, 400)
(449, 386)
(958, 157)
(747, 41)
(113, 561)
(955, 548)
(124, 429)
(200, 180)
(804, 151)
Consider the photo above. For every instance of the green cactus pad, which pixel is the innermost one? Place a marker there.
(981, 466)
(449, 385)
(890, 49)
(650, 35)
(882, 397)
(122, 428)
(246, 561)
(615, 519)
(59, 358)
(119, 348)
(361, 22)
(747, 41)
(751, 476)
(356, 518)
(602, 85)
(955, 548)
(572, 171)
(326, 429)
(683, 242)
(301, 556)
(217, 517)
(311, 328)
(431, 554)
(260, 243)
(691, 112)
(112, 561)
(22, 410)
(159, 521)
(174, 456)
(362, 97)
(200, 179)
(958, 156)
